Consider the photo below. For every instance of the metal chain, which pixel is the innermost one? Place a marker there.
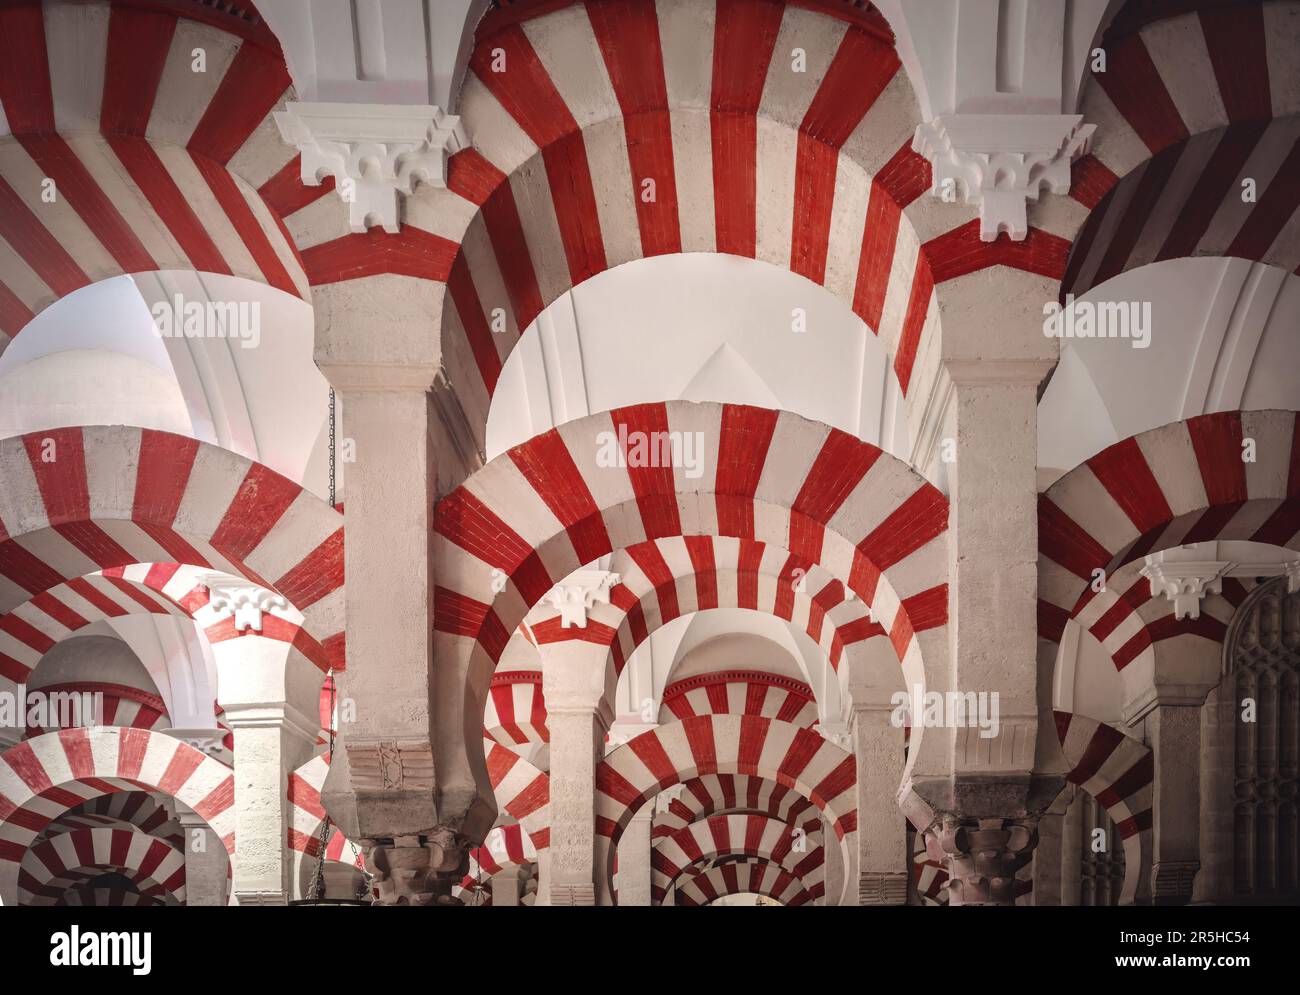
(333, 497)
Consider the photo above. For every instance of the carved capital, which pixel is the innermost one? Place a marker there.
(417, 870)
(245, 600)
(1184, 582)
(373, 151)
(1001, 161)
(982, 857)
(876, 888)
(574, 596)
(387, 765)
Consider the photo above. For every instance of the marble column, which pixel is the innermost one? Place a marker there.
(270, 694)
(882, 857)
(205, 860)
(270, 743)
(403, 785)
(578, 714)
(634, 851)
(505, 888)
(980, 815)
(1175, 738)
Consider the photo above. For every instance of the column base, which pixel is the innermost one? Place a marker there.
(882, 888)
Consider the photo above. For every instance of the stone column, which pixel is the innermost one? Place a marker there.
(1047, 860)
(205, 860)
(404, 789)
(834, 870)
(981, 815)
(505, 888)
(578, 714)
(1175, 738)
(1072, 852)
(271, 696)
(882, 832)
(634, 851)
(270, 742)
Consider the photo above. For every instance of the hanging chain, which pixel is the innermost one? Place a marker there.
(333, 496)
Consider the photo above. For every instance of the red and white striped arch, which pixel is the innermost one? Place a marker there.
(122, 706)
(516, 710)
(741, 692)
(809, 170)
(42, 778)
(136, 810)
(1182, 483)
(32, 629)
(156, 166)
(667, 578)
(106, 898)
(74, 501)
(522, 791)
(306, 814)
(749, 835)
(1187, 108)
(633, 774)
(538, 512)
(54, 865)
(710, 794)
(735, 877)
(1118, 771)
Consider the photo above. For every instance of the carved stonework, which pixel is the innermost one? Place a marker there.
(882, 889)
(573, 894)
(1172, 880)
(373, 151)
(417, 870)
(245, 600)
(1000, 161)
(391, 765)
(983, 856)
(578, 593)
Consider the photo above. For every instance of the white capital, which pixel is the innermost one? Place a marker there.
(245, 600)
(1184, 582)
(1001, 161)
(373, 151)
(578, 593)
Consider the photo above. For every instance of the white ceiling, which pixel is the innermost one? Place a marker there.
(1223, 337)
(697, 327)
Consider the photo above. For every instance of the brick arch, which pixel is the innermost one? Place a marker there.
(42, 777)
(1181, 483)
(666, 578)
(156, 167)
(74, 501)
(749, 835)
(633, 774)
(1189, 105)
(56, 864)
(545, 508)
(1118, 771)
(710, 794)
(761, 877)
(740, 692)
